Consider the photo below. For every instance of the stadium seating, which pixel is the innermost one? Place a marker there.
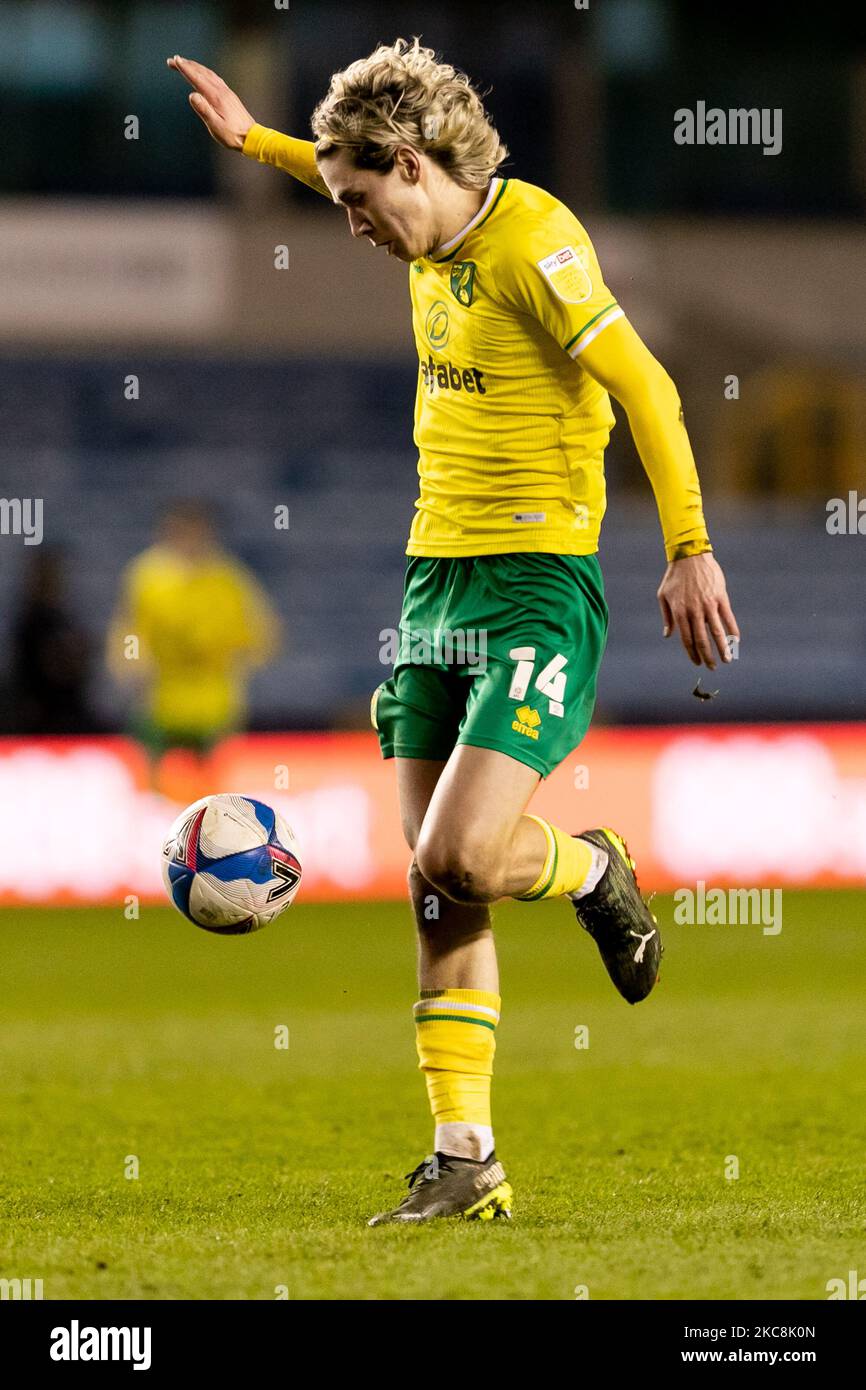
(254, 435)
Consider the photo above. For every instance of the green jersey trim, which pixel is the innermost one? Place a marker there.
(607, 315)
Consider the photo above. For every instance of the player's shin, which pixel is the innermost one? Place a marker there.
(456, 1017)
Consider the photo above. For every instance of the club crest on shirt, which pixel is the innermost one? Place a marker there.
(463, 281)
(567, 274)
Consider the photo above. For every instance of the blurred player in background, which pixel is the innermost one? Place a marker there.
(191, 625)
(519, 342)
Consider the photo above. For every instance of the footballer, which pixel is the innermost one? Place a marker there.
(521, 344)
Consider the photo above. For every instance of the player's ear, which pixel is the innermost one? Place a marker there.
(407, 162)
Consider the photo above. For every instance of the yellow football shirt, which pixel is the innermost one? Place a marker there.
(200, 626)
(510, 430)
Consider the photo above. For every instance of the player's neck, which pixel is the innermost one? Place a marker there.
(462, 208)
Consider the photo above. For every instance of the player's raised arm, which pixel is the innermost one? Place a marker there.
(230, 123)
(692, 595)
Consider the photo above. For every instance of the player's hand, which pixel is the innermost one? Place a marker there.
(694, 600)
(221, 109)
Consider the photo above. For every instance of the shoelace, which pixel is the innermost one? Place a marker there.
(415, 1176)
(420, 1173)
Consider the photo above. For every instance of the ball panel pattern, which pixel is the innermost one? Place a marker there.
(231, 864)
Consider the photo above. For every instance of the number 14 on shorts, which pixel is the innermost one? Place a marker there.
(550, 681)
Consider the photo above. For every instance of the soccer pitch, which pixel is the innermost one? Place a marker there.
(149, 1046)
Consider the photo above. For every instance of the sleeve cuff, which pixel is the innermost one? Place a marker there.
(254, 139)
(681, 550)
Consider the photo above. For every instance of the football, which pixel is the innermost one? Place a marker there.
(230, 864)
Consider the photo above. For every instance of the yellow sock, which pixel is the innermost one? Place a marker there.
(566, 865)
(455, 1031)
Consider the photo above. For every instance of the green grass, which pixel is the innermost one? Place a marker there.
(258, 1167)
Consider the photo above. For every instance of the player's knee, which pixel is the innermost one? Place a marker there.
(426, 901)
(418, 884)
(463, 871)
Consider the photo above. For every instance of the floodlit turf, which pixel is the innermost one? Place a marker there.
(257, 1166)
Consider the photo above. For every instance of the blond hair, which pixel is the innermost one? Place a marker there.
(401, 95)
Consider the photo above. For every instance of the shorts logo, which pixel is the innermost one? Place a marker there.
(463, 282)
(567, 274)
(436, 325)
(527, 721)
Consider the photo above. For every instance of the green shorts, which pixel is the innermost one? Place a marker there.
(498, 651)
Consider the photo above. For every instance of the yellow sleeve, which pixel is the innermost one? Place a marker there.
(128, 619)
(259, 634)
(550, 270)
(295, 157)
(621, 362)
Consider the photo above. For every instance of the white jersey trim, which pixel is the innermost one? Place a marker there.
(614, 314)
(447, 245)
